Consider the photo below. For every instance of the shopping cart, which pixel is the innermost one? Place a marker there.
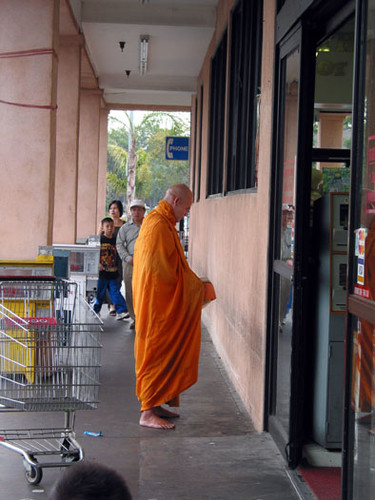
(49, 361)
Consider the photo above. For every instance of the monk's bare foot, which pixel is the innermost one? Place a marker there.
(164, 413)
(150, 419)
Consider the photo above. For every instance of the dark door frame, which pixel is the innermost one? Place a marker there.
(290, 444)
(309, 31)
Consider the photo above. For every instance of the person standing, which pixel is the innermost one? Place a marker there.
(115, 210)
(125, 242)
(108, 271)
(168, 298)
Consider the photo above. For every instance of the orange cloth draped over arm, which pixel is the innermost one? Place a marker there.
(168, 299)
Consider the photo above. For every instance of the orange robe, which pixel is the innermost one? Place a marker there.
(168, 299)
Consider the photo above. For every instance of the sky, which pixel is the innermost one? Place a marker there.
(138, 116)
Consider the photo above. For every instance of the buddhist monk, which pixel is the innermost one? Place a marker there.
(168, 299)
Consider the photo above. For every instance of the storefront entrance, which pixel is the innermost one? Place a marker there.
(310, 237)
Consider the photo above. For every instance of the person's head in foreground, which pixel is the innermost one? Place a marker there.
(90, 481)
(180, 198)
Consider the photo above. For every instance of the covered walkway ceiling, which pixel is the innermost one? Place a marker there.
(179, 34)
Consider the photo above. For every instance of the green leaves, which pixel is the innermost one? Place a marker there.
(154, 174)
(116, 187)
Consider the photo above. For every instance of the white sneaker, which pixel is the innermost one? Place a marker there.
(122, 315)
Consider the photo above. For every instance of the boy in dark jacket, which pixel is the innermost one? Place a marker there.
(108, 271)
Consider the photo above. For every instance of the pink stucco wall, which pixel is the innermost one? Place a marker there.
(27, 139)
(88, 162)
(229, 244)
(101, 209)
(67, 140)
(53, 124)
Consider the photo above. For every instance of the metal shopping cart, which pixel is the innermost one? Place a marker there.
(49, 361)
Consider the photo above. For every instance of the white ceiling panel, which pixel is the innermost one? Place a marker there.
(179, 33)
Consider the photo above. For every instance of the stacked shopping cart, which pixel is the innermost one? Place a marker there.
(49, 361)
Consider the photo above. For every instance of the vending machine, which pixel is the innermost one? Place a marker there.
(330, 242)
(84, 265)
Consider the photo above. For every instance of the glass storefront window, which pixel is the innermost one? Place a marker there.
(363, 376)
(333, 90)
(343, 130)
(368, 177)
(363, 402)
(289, 162)
(365, 233)
(285, 326)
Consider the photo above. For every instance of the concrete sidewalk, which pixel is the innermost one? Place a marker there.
(214, 452)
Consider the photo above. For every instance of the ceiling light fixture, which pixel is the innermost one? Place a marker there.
(143, 54)
(122, 46)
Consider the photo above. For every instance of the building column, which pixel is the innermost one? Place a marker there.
(102, 172)
(28, 88)
(68, 95)
(88, 163)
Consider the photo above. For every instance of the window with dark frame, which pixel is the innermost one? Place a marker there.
(245, 75)
(217, 118)
(200, 144)
(193, 153)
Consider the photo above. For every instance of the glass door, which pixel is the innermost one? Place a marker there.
(290, 211)
(311, 115)
(360, 398)
(284, 261)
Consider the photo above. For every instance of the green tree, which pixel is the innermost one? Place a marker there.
(143, 181)
(117, 158)
(143, 171)
(164, 172)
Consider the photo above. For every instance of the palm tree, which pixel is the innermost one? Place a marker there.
(132, 163)
(138, 137)
(125, 161)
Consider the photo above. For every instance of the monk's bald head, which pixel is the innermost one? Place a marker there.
(181, 190)
(180, 197)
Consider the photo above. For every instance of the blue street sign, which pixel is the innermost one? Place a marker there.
(177, 148)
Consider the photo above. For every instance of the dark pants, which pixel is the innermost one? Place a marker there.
(114, 292)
